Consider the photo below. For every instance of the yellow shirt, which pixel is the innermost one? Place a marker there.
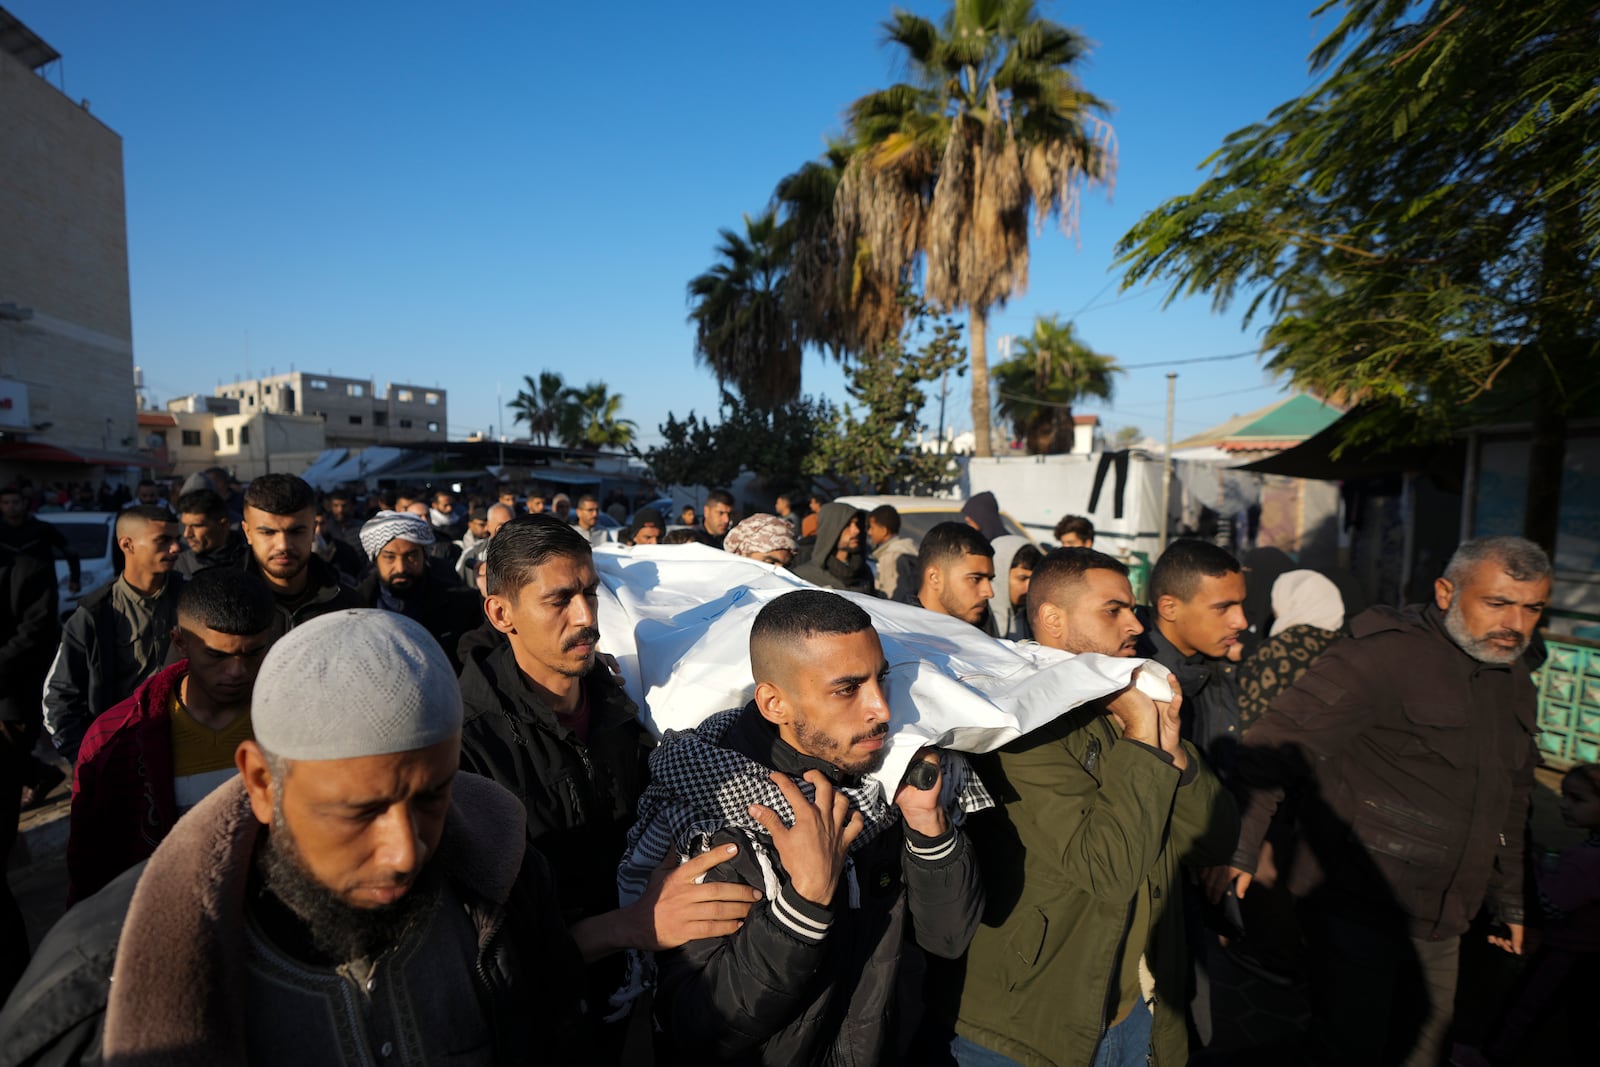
(202, 758)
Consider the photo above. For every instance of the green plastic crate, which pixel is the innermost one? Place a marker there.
(1569, 702)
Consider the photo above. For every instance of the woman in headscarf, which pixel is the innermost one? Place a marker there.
(1308, 616)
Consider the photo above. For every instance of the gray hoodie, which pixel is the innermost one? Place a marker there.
(1010, 623)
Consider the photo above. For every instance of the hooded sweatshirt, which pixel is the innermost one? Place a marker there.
(984, 510)
(822, 568)
(1009, 622)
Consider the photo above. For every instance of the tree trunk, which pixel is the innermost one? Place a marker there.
(978, 355)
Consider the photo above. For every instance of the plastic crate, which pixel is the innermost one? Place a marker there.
(1569, 702)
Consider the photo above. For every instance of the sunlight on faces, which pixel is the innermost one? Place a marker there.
(826, 697)
(1492, 616)
(536, 505)
(362, 828)
(849, 538)
(150, 547)
(553, 621)
(223, 666)
(1093, 614)
(963, 586)
(588, 514)
(400, 564)
(1209, 622)
(1019, 579)
(203, 532)
(717, 518)
(778, 557)
(417, 508)
(281, 544)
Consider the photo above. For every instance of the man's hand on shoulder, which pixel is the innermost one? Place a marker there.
(814, 848)
(679, 906)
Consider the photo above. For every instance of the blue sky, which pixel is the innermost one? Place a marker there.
(461, 194)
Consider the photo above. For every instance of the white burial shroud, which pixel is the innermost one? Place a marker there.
(677, 618)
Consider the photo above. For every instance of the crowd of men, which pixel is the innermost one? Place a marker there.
(273, 856)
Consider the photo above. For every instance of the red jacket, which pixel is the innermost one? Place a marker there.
(123, 800)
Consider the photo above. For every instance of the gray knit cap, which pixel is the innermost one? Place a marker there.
(385, 526)
(355, 683)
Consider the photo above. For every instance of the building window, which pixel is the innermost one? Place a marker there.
(244, 435)
(380, 418)
(406, 396)
(432, 398)
(317, 383)
(405, 424)
(229, 436)
(191, 438)
(251, 400)
(433, 427)
(355, 420)
(355, 389)
(266, 388)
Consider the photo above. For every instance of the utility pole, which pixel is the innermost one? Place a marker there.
(1166, 466)
(500, 421)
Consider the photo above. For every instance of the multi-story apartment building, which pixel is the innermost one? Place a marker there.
(355, 414)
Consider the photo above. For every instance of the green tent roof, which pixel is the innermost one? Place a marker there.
(1279, 425)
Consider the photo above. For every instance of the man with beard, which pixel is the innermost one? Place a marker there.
(847, 879)
(348, 898)
(545, 720)
(347, 522)
(280, 514)
(647, 528)
(717, 517)
(118, 635)
(1100, 809)
(955, 566)
(157, 754)
(836, 560)
(1414, 737)
(401, 580)
(208, 534)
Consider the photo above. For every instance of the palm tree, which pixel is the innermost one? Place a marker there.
(591, 420)
(540, 405)
(992, 128)
(1052, 370)
(742, 330)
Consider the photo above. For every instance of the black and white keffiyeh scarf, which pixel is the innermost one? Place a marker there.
(698, 788)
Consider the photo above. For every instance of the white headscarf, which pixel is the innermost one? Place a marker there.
(1305, 598)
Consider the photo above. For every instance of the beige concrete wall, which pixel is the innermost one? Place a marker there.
(64, 256)
(276, 443)
(355, 413)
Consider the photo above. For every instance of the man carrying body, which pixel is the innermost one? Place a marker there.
(546, 721)
(280, 512)
(955, 566)
(28, 536)
(1100, 808)
(1414, 737)
(349, 898)
(209, 536)
(158, 753)
(836, 561)
(1197, 614)
(586, 520)
(717, 517)
(894, 556)
(401, 580)
(118, 635)
(812, 975)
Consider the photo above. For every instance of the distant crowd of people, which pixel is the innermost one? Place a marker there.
(274, 856)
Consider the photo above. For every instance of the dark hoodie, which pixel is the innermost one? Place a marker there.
(984, 511)
(823, 568)
(644, 517)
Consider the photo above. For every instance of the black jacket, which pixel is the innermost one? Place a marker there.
(44, 541)
(1410, 767)
(822, 568)
(444, 613)
(323, 594)
(1210, 696)
(230, 553)
(581, 798)
(772, 996)
(29, 633)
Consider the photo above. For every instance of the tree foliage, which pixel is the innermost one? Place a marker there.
(590, 417)
(878, 451)
(540, 404)
(773, 444)
(1052, 370)
(991, 131)
(1420, 230)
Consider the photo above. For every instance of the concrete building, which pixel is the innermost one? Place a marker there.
(355, 413)
(67, 408)
(197, 432)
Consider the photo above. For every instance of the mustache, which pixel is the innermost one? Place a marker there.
(877, 731)
(1506, 635)
(586, 636)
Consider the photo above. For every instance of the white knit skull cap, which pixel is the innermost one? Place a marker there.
(355, 683)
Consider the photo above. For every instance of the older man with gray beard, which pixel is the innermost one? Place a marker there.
(1408, 749)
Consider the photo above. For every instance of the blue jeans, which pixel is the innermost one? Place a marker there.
(1125, 1045)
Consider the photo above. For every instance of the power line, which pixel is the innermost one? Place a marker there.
(1186, 362)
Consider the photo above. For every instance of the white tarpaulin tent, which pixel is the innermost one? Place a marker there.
(677, 618)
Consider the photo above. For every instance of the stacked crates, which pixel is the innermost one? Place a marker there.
(1569, 702)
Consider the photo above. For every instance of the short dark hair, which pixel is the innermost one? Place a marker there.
(147, 481)
(228, 600)
(588, 498)
(341, 494)
(886, 516)
(799, 616)
(202, 502)
(1027, 558)
(1182, 566)
(787, 498)
(524, 544)
(157, 513)
(1060, 569)
(950, 541)
(681, 536)
(720, 496)
(279, 494)
(1077, 526)
(10, 490)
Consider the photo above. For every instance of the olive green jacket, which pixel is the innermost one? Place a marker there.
(1086, 822)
